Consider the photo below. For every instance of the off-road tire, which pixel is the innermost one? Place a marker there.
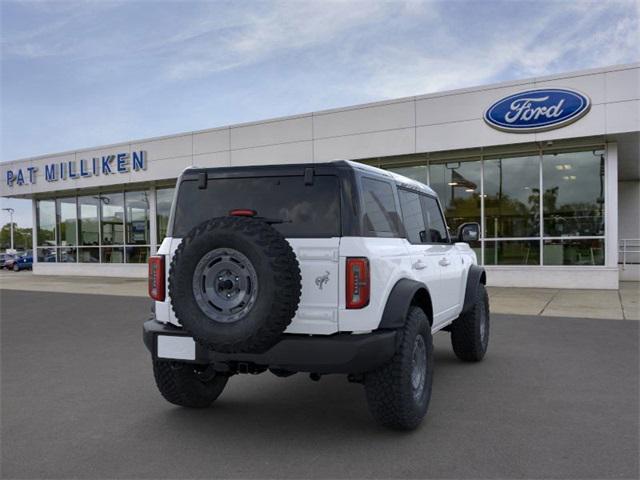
(279, 284)
(389, 390)
(469, 338)
(181, 384)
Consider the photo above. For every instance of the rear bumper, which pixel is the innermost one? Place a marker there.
(339, 353)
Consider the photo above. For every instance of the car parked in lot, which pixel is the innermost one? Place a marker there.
(7, 261)
(23, 262)
(331, 268)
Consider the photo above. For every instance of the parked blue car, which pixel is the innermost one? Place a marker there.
(24, 262)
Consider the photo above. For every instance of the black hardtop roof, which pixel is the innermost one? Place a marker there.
(291, 169)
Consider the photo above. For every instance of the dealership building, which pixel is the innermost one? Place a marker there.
(549, 166)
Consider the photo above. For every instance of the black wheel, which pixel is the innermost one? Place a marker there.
(235, 284)
(470, 331)
(398, 394)
(186, 384)
(16, 268)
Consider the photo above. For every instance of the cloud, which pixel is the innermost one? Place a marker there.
(287, 26)
(102, 72)
(525, 47)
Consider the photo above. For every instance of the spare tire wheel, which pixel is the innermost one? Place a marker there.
(235, 284)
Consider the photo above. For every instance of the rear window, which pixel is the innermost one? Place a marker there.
(306, 210)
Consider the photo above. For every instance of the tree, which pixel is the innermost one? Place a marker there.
(22, 237)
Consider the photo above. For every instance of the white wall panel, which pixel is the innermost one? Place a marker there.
(623, 85)
(216, 159)
(553, 277)
(166, 147)
(462, 107)
(271, 133)
(92, 269)
(299, 152)
(469, 134)
(360, 120)
(593, 123)
(592, 85)
(623, 116)
(162, 169)
(211, 141)
(392, 142)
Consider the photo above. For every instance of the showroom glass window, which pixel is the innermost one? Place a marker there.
(512, 197)
(458, 187)
(88, 229)
(46, 230)
(512, 210)
(112, 227)
(563, 226)
(137, 226)
(164, 197)
(67, 221)
(573, 207)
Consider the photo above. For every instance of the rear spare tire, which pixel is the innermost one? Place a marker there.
(235, 284)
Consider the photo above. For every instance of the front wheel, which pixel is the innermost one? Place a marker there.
(470, 331)
(187, 385)
(16, 268)
(398, 394)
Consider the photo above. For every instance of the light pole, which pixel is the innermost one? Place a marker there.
(11, 211)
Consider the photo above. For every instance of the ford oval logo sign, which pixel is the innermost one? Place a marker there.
(537, 110)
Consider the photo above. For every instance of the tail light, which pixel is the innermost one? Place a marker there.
(358, 282)
(156, 277)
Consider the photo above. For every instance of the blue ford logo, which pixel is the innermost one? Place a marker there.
(537, 110)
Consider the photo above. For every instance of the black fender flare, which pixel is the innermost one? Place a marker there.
(400, 299)
(475, 277)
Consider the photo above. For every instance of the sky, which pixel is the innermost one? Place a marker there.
(87, 73)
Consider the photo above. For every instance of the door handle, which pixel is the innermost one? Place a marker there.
(444, 262)
(419, 265)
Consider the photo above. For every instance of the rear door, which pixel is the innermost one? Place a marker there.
(424, 260)
(448, 264)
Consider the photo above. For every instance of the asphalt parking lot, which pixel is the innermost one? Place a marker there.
(555, 397)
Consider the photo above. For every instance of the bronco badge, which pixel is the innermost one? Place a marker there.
(322, 279)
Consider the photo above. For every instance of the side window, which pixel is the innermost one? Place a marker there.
(437, 230)
(414, 220)
(380, 214)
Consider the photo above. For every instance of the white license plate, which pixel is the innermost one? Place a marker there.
(178, 348)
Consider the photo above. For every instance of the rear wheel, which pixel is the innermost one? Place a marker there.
(398, 394)
(470, 331)
(187, 385)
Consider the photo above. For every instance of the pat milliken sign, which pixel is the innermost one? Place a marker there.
(537, 110)
(105, 165)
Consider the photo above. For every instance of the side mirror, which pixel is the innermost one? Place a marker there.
(469, 232)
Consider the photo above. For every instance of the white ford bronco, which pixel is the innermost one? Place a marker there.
(326, 268)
